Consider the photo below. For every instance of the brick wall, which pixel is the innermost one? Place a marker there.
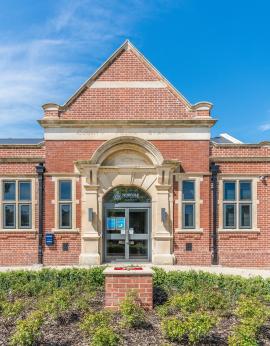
(235, 249)
(128, 67)
(55, 255)
(18, 247)
(247, 249)
(22, 151)
(201, 241)
(110, 104)
(60, 157)
(193, 155)
(118, 286)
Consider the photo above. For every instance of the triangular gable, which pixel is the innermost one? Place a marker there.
(127, 87)
(111, 70)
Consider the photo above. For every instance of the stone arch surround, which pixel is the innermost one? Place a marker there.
(153, 174)
(139, 144)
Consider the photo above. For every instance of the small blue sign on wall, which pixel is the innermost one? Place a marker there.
(49, 239)
(110, 223)
(120, 223)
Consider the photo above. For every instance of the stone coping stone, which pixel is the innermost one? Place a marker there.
(129, 272)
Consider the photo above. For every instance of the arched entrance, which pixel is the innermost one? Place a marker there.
(127, 180)
(127, 224)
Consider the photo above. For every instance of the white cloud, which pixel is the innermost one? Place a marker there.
(58, 55)
(265, 127)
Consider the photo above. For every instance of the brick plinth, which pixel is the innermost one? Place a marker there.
(119, 283)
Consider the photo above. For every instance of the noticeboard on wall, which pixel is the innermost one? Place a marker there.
(120, 223)
(116, 223)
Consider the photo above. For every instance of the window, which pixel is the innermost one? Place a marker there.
(65, 204)
(188, 204)
(17, 204)
(237, 204)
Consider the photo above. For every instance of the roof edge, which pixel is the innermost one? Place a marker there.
(205, 122)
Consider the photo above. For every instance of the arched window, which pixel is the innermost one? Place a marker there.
(127, 194)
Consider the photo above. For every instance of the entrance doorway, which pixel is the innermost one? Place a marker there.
(127, 225)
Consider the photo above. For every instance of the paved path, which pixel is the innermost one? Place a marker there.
(245, 272)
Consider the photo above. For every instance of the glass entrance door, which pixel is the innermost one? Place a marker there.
(127, 234)
(138, 233)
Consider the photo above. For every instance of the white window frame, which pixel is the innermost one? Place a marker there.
(189, 202)
(197, 204)
(57, 203)
(254, 202)
(17, 203)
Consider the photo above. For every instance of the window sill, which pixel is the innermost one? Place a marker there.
(246, 231)
(191, 230)
(6, 230)
(65, 230)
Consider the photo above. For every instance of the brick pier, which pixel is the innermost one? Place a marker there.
(119, 282)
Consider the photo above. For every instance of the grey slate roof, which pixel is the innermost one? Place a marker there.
(221, 140)
(22, 141)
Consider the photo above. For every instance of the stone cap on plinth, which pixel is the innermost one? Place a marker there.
(128, 271)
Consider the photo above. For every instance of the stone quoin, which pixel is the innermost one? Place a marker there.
(128, 171)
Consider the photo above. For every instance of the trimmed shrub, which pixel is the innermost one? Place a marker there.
(252, 315)
(251, 309)
(28, 331)
(57, 304)
(11, 309)
(216, 300)
(184, 303)
(243, 335)
(94, 321)
(198, 325)
(195, 327)
(83, 301)
(173, 329)
(105, 336)
(133, 315)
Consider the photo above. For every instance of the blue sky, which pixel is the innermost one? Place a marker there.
(211, 50)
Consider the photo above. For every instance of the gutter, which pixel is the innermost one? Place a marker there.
(40, 169)
(214, 248)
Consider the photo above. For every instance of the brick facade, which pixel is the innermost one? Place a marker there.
(145, 107)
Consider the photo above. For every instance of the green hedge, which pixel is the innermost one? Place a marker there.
(27, 282)
(190, 281)
(34, 282)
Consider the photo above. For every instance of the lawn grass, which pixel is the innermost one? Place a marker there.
(65, 307)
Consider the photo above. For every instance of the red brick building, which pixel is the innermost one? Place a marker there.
(127, 171)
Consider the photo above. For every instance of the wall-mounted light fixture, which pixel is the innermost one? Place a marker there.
(90, 214)
(163, 215)
(264, 179)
